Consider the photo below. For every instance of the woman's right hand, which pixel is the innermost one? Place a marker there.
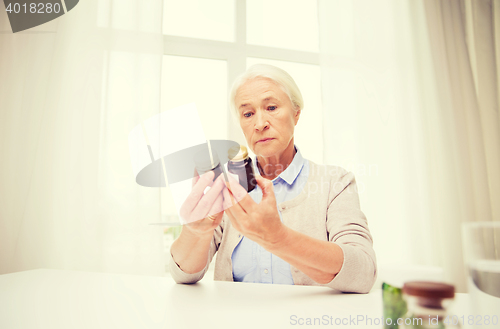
(201, 212)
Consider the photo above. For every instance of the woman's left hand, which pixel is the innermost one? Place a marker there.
(259, 222)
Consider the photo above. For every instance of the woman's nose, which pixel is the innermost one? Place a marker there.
(261, 121)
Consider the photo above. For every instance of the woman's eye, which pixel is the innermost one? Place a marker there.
(272, 108)
(247, 115)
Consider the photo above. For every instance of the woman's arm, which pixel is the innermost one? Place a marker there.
(346, 262)
(193, 254)
(192, 251)
(319, 260)
(347, 226)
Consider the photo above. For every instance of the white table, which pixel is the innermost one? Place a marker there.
(56, 299)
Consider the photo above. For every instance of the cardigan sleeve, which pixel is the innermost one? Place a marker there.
(180, 276)
(348, 228)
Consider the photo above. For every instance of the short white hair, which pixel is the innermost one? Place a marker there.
(275, 74)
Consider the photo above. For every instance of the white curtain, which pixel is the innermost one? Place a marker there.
(403, 111)
(70, 92)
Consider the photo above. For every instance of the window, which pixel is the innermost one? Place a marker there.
(209, 43)
(207, 20)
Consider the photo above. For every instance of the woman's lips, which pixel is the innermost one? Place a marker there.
(265, 140)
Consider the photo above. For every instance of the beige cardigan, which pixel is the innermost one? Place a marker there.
(326, 209)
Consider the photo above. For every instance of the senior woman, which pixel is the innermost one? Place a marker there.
(301, 225)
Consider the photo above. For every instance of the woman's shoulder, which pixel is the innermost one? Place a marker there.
(334, 178)
(321, 171)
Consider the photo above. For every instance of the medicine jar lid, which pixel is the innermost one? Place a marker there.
(237, 153)
(429, 289)
(204, 162)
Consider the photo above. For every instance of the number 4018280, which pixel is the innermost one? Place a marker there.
(33, 8)
(472, 320)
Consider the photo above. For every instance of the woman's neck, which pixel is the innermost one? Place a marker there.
(271, 167)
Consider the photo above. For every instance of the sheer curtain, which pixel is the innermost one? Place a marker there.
(71, 91)
(403, 111)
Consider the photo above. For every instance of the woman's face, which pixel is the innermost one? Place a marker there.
(267, 116)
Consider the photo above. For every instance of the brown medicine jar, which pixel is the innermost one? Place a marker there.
(204, 163)
(428, 304)
(241, 164)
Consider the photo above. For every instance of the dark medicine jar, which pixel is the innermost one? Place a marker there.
(428, 304)
(204, 163)
(241, 164)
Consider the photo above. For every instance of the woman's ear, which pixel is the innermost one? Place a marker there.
(297, 115)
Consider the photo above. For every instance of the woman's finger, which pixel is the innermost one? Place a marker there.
(235, 210)
(195, 179)
(267, 189)
(206, 201)
(243, 199)
(217, 206)
(236, 190)
(228, 200)
(229, 211)
(197, 192)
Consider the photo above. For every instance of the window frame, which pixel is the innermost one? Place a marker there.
(234, 53)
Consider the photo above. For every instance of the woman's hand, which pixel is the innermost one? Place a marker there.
(201, 212)
(320, 260)
(259, 222)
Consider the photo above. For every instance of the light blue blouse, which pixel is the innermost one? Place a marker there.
(251, 262)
